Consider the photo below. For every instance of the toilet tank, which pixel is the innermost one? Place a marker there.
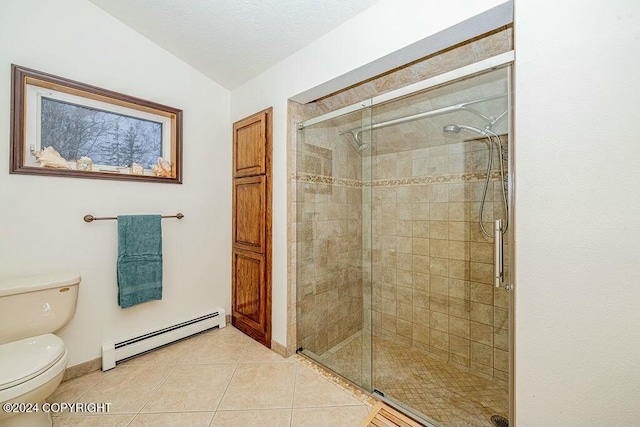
(36, 305)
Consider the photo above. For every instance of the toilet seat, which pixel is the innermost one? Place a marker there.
(26, 359)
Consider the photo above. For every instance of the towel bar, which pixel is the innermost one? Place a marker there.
(91, 218)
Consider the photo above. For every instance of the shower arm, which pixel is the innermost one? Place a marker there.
(494, 120)
(432, 113)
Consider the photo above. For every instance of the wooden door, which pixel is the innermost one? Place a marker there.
(251, 245)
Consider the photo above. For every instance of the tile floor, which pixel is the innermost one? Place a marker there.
(441, 392)
(219, 378)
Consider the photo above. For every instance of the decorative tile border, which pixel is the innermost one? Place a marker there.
(434, 179)
(396, 182)
(320, 179)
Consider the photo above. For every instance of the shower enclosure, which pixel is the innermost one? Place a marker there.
(397, 254)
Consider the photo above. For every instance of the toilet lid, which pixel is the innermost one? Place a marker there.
(22, 360)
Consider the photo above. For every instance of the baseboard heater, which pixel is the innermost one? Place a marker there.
(113, 352)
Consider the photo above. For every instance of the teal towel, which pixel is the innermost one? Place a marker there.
(139, 259)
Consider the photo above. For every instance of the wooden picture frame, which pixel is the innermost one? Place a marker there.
(61, 127)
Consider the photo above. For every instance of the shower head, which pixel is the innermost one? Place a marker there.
(457, 128)
(451, 129)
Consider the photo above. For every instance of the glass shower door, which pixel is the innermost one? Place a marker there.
(333, 235)
(440, 329)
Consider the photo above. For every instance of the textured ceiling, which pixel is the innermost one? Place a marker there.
(232, 41)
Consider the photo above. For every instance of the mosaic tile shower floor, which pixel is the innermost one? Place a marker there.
(441, 392)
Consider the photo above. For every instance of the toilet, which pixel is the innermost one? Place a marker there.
(32, 359)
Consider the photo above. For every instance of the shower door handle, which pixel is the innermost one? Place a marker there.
(498, 259)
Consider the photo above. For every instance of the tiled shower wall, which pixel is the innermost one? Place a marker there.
(328, 247)
(449, 306)
(432, 265)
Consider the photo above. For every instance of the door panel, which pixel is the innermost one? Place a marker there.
(445, 307)
(249, 149)
(249, 213)
(248, 288)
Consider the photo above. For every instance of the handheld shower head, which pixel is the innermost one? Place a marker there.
(457, 128)
(491, 138)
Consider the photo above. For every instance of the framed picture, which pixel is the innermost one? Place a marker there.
(61, 127)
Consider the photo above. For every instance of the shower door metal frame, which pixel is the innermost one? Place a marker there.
(512, 289)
